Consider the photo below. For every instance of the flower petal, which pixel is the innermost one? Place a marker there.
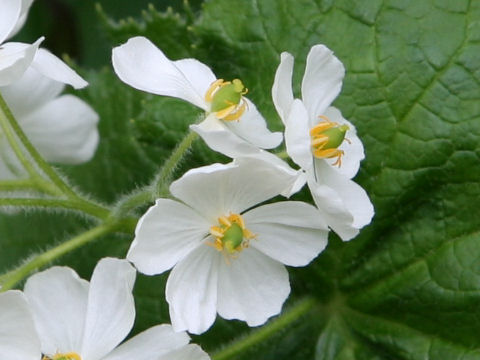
(18, 337)
(51, 66)
(353, 151)
(282, 94)
(64, 130)
(217, 190)
(352, 195)
(15, 58)
(58, 299)
(111, 309)
(189, 352)
(142, 65)
(25, 4)
(291, 232)
(220, 138)
(9, 14)
(252, 128)
(322, 80)
(150, 344)
(192, 290)
(297, 136)
(167, 232)
(45, 89)
(252, 287)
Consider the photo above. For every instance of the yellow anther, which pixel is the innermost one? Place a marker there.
(64, 356)
(327, 136)
(231, 236)
(226, 99)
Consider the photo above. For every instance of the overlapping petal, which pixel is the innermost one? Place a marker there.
(110, 310)
(25, 7)
(218, 189)
(192, 290)
(251, 288)
(165, 234)
(153, 344)
(142, 65)
(15, 58)
(291, 232)
(64, 130)
(58, 298)
(9, 14)
(52, 67)
(18, 337)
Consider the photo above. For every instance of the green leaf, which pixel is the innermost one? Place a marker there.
(408, 287)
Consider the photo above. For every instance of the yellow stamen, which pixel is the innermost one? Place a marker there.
(326, 137)
(64, 356)
(227, 238)
(226, 99)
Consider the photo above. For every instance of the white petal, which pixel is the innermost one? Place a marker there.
(15, 58)
(111, 309)
(188, 352)
(297, 177)
(150, 344)
(322, 80)
(45, 89)
(282, 94)
(291, 232)
(252, 287)
(192, 290)
(167, 232)
(218, 190)
(58, 299)
(9, 14)
(54, 68)
(22, 18)
(220, 138)
(353, 151)
(252, 128)
(354, 198)
(142, 65)
(64, 130)
(18, 337)
(297, 136)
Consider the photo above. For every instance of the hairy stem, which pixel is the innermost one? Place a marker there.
(165, 175)
(17, 275)
(7, 121)
(257, 336)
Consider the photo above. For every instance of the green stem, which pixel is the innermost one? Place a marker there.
(7, 120)
(258, 336)
(17, 275)
(133, 201)
(172, 162)
(83, 206)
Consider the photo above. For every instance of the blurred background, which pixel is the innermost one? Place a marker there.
(71, 26)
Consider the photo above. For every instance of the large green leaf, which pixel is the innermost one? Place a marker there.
(409, 286)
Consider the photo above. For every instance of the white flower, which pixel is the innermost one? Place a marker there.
(18, 337)
(16, 58)
(227, 257)
(233, 125)
(63, 128)
(322, 142)
(77, 320)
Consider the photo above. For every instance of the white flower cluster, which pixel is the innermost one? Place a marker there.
(62, 127)
(226, 242)
(228, 252)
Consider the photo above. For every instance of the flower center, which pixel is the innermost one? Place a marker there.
(327, 136)
(66, 356)
(226, 99)
(231, 234)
